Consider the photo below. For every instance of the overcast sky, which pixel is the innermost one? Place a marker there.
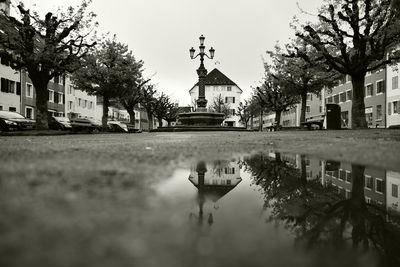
(161, 32)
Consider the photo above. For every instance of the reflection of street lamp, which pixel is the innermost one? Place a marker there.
(202, 72)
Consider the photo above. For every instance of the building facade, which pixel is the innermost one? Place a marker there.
(10, 87)
(375, 99)
(393, 96)
(218, 85)
(56, 96)
(78, 103)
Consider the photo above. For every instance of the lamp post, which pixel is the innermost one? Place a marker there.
(202, 73)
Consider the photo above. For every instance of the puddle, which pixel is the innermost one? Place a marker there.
(272, 209)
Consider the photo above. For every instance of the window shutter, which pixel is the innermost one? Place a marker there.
(63, 99)
(3, 84)
(18, 88)
(233, 100)
(7, 86)
(55, 97)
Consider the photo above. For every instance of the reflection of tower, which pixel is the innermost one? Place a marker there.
(213, 183)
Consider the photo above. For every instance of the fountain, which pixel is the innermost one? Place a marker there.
(201, 119)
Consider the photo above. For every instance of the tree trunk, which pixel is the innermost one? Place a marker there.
(150, 119)
(169, 123)
(260, 126)
(131, 113)
(251, 122)
(303, 170)
(303, 106)
(104, 119)
(159, 122)
(358, 120)
(278, 119)
(42, 96)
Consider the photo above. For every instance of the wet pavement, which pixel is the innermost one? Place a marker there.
(119, 200)
(270, 209)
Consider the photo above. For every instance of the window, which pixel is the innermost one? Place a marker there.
(71, 90)
(51, 96)
(395, 107)
(379, 87)
(60, 98)
(13, 109)
(379, 185)
(29, 90)
(229, 88)
(369, 182)
(348, 177)
(70, 105)
(1, 107)
(329, 100)
(308, 109)
(229, 170)
(349, 95)
(395, 190)
(320, 109)
(395, 82)
(389, 108)
(79, 102)
(309, 97)
(369, 90)
(336, 99)
(342, 175)
(343, 97)
(229, 99)
(8, 86)
(11, 87)
(57, 80)
(379, 112)
(29, 112)
(232, 112)
(91, 105)
(85, 103)
(369, 115)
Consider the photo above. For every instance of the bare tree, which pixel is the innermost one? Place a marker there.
(218, 105)
(355, 37)
(300, 71)
(46, 47)
(275, 98)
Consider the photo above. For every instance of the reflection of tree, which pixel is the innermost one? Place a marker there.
(318, 215)
(286, 190)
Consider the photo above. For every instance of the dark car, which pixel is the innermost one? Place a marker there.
(85, 125)
(59, 123)
(117, 126)
(10, 121)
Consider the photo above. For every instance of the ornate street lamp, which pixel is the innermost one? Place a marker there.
(202, 72)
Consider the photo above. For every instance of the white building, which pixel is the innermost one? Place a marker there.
(10, 88)
(392, 192)
(216, 84)
(78, 104)
(393, 95)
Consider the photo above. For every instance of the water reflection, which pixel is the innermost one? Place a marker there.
(330, 204)
(213, 181)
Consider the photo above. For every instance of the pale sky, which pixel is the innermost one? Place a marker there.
(161, 32)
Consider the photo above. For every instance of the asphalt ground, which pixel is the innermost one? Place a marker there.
(67, 200)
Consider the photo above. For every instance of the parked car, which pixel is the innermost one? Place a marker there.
(86, 125)
(14, 121)
(59, 123)
(117, 126)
